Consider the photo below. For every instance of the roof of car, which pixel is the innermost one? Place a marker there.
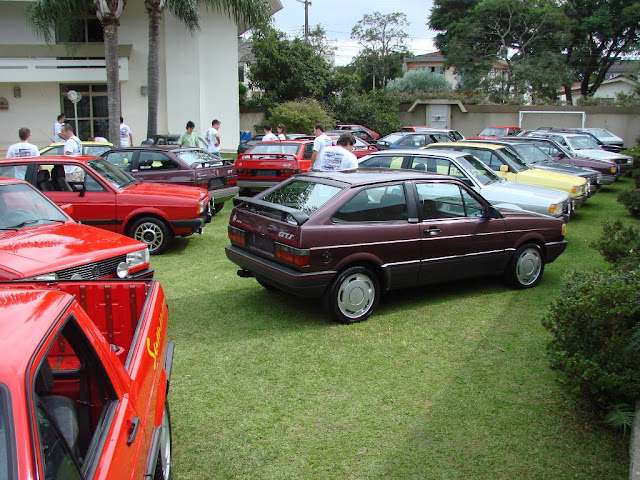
(366, 176)
(84, 143)
(403, 152)
(504, 126)
(488, 146)
(155, 147)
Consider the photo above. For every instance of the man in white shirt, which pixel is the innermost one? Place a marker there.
(268, 134)
(338, 157)
(72, 144)
(23, 148)
(213, 138)
(57, 127)
(126, 139)
(321, 141)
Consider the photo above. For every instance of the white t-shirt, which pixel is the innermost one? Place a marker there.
(269, 136)
(320, 142)
(125, 131)
(73, 145)
(210, 137)
(282, 136)
(57, 128)
(334, 158)
(22, 149)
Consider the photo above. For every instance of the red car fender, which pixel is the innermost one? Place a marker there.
(145, 211)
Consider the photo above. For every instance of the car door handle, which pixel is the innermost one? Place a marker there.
(432, 231)
(133, 430)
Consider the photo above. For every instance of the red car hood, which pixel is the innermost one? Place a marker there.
(163, 189)
(47, 248)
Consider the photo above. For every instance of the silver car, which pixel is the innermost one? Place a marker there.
(478, 176)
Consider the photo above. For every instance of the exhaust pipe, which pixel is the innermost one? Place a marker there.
(244, 273)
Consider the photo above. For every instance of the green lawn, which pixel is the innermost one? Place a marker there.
(442, 382)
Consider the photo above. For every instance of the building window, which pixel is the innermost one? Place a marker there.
(89, 31)
(93, 113)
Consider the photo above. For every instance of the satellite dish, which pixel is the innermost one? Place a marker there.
(74, 96)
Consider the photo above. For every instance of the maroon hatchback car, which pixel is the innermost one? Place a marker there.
(347, 237)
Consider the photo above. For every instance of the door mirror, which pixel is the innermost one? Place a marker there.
(490, 212)
(504, 168)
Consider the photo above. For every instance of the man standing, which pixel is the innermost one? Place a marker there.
(72, 144)
(213, 138)
(268, 134)
(23, 148)
(188, 138)
(322, 140)
(57, 127)
(338, 157)
(126, 139)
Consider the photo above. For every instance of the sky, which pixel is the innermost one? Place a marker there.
(338, 17)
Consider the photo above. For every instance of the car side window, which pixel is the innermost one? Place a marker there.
(156, 161)
(446, 200)
(122, 160)
(376, 204)
(308, 151)
(14, 171)
(386, 161)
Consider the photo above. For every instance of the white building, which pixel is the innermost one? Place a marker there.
(198, 76)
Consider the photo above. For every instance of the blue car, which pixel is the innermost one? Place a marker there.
(413, 139)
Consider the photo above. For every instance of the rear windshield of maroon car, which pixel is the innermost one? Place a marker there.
(197, 156)
(303, 195)
(275, 148)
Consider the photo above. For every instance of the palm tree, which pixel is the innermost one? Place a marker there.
(245, 12)
(45, 16)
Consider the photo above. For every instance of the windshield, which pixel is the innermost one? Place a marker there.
(302, 195)
(197, 156)
(494, 132)
(112, 174)
(600, 133)
(96, 150)
(531, 154)
(582, 141)
(515, 162)
(22, 205)
(392, 137)
(479, 170)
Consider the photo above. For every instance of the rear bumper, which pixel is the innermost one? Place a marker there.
(221, 195)
(308, 285)
(554, 249)
(256, 184)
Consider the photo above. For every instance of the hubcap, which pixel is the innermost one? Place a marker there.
(165, 446)
(356, 295)
(529, 266)
(151, 234)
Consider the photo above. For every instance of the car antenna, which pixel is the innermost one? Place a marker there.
(52, 140)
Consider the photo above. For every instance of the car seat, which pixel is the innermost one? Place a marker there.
(59, 409)
(60, 183)
(419, 166)
(43, 181)
(392, 207)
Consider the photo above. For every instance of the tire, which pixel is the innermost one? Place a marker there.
(152, 231)
(163, 463)
(526, 267)
(217, 207)
(353, 295)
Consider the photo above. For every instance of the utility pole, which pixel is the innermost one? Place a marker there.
(307, 4)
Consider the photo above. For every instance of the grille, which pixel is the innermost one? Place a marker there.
(100, 269)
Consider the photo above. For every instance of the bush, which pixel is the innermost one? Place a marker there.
(631, 200)
(593, 321)
(619, 245)
(376, 110)
(300, 116)
(420, 80)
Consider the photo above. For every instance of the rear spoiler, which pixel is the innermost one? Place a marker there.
(271, 156)
(298, 215)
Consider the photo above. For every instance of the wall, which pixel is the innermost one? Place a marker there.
(249, 118)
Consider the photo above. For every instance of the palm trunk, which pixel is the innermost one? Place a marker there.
(634, 447)
(153, 72)
(113, 80)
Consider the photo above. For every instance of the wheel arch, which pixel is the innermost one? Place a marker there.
(141, 214)
(369, 262)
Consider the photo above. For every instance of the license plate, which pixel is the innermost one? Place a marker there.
(261, 243)
(268, 173)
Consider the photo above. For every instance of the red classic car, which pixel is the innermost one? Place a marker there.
(355, 128)
(346, 237)
(84, 377)
(268, 163)
(103, 195)
(180, 166)
(38, 241)
(496, 131)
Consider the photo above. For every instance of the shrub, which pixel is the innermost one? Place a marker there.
(300, 116)
(593, 321)
(420, 80)
(631, 200)
(619, 245)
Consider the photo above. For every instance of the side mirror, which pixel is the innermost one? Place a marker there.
(490, 212)
(562, 155)
(504, 168)
(67, 208)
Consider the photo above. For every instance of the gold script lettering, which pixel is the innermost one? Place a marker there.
(154, 348)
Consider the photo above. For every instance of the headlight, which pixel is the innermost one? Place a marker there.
(137, 258)
(599, 177)
(554, 208)
(201, 206)
(122, 270)
(46, 277)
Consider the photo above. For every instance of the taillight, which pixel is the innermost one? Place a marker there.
(231, 180)
(300, 257)
(237, 236)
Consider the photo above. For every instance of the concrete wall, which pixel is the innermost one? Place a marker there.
(249, 118)
(471, 119)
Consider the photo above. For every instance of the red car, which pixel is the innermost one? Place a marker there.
(84, 377)
(360, 149)
(103, 195)
(268, 163)
(497, 131)
(354, 128)
(38, 241)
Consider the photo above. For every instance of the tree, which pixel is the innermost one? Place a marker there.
(289, 69)
(45, 15)
(383, 40)
(246, 12)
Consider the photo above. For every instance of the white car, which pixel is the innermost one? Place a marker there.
(477, 175)
(608, 138)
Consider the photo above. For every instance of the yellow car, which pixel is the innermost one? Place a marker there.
(88, 148)
(510, 167)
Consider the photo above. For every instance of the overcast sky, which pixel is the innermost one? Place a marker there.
(338, 17)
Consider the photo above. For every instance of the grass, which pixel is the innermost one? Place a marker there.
(442, 382)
